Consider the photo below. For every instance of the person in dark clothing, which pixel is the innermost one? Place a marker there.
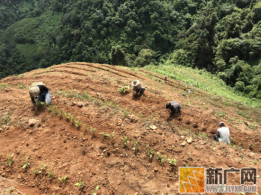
(174, 107)
(41, 93)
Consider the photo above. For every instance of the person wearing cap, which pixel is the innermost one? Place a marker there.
(41, 93)
(223, 134)
(174, 107)
(138, 88)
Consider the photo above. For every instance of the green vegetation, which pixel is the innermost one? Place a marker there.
(79, 184)
(161, 158)
(172, 161)
(222, 37)
(150, 153)
(63, 179)
(125, 139)
(26, 163)
(10, 159)
(94, 192)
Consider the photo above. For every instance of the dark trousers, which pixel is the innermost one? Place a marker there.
(216, 137)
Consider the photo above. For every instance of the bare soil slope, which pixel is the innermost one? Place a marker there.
(90, 93)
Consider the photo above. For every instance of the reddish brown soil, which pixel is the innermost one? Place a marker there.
(95, 160)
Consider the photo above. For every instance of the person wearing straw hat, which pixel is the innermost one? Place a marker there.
(138, 88)
(223, 134)
(41, 93)
(174, 107)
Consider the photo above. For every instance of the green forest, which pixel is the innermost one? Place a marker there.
(219, 36)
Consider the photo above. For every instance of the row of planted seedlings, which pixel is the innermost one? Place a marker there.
(43, 171)
(78, 123)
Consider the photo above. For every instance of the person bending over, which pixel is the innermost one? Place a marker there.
(174, 107)
(138, 89)
(223, 134)
(40, 93)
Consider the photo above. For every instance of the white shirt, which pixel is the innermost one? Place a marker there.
(224, 134)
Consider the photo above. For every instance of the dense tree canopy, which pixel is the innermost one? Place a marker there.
(222, 36)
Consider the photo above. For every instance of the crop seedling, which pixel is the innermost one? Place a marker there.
(78, 123)
(197, 133)
(125, 141)
(63, 179)
(10, 159)
(251, 145)
(68, 116)
(79, 184)
(172, 161)
(26, 163)
(122, 90)
(86, 129)
(40, 171)
(112, 135)
(136, 146)
(93, 131)
(72, 119)
(61, 114)
(161, 158)
(150, 153)
(233, 140)
(255, 162)
(95, 190)
(50, 174)
(104, 134)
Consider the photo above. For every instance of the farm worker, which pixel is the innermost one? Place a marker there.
(138, 88)
(39, 91)
(174, 107)
(223, 134)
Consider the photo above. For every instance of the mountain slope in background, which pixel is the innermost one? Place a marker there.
(221, 36)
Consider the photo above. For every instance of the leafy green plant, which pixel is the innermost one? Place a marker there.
(233, 140)
(136, 146)
(50, 174)
(40, 171)
(78, 123)
(150, 153)
(26, 163)
(85, 128)
(95, 190)
(68, 116)
(93, 131)
(172, 161)
(72, 119)
(10, 159)
(161, 158)
(63, 179)
(125, 141)
(251, 145)
(112, 135)
(79, 184)
(255, 162)
(104, 134)
(122, 90)
(61, 114)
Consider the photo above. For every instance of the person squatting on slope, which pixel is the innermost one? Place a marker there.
(40, 92)
(223, 134)
(138, 88)
(174, 107)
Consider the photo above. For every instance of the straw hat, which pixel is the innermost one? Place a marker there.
(136, 83)
(34, 91)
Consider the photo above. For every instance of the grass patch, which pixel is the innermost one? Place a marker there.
(203, 80)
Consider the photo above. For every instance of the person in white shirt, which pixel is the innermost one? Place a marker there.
(223, 134)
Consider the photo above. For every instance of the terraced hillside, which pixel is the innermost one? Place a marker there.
(79, 138)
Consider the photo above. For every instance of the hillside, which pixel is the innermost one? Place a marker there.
(222, 37)
(90, 154)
